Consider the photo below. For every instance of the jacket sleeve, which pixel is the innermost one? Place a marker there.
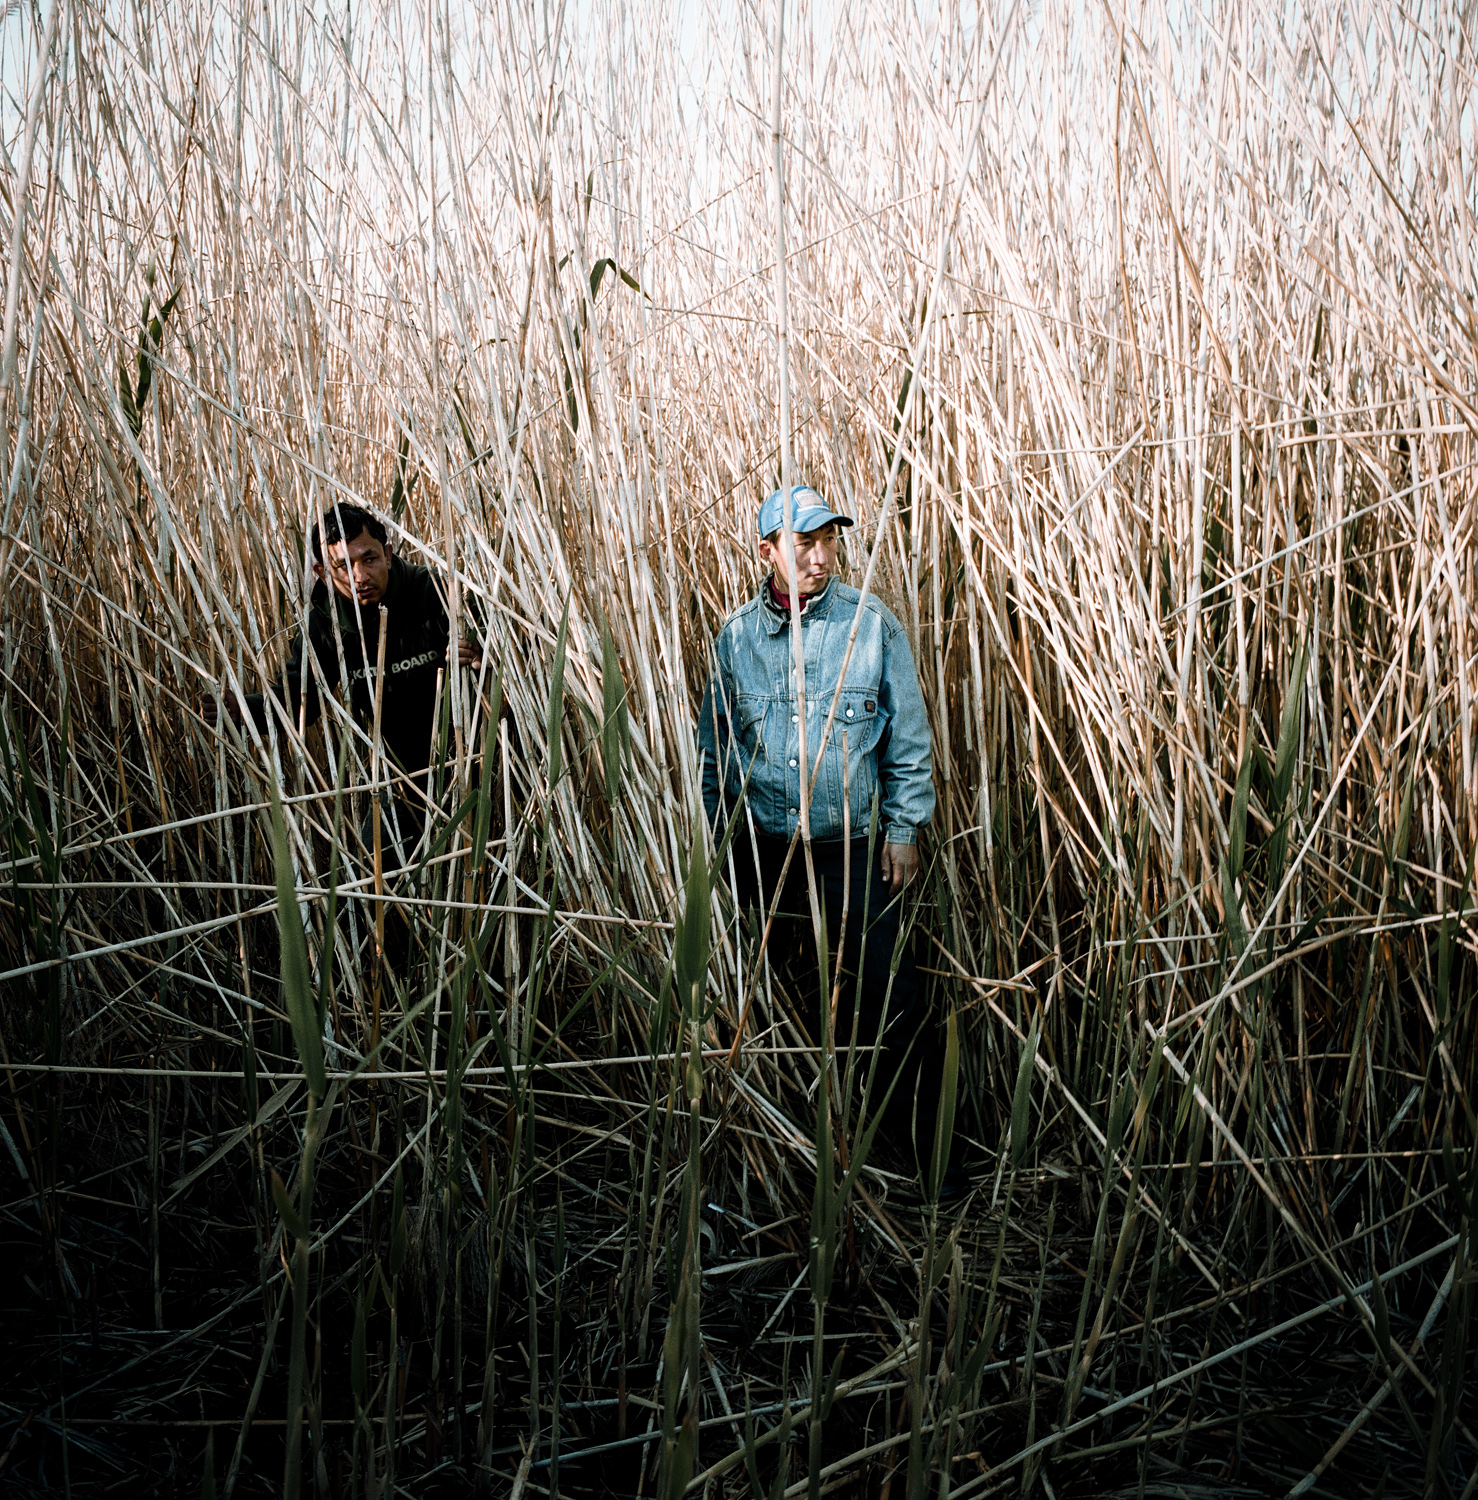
(713, 734)
(905, 765)
(296, 680)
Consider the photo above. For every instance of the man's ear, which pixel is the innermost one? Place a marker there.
(318, 572)
(767, 552)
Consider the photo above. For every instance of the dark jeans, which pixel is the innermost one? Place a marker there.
(912, 1054)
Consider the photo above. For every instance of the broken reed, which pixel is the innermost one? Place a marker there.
(1158, 424)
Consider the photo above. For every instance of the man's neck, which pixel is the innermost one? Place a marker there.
(782, 599)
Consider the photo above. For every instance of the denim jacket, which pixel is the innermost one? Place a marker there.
(749, 722)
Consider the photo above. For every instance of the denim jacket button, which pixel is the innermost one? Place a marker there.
(792, 762)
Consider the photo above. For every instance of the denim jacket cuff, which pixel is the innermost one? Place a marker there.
(896, 833)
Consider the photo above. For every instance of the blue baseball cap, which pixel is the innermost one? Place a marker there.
(811, 512)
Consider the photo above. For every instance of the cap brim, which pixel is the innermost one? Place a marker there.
(816, 518)
(811, 519)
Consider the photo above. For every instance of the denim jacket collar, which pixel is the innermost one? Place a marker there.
(776, 619)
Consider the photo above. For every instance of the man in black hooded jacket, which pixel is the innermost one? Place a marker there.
(357, 571)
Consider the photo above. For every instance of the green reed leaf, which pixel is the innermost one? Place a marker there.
(398, 1244)
(1236, 928)
(1382, 1318)
(944, 1124)
(554, 715)
(482, 821)
(690, 949)
(615, 730)
(292, 1223)
(1237, 831)
(1284, 761)
(1022, 1100)
(297, 986)
(400, 491)
(358, 1361)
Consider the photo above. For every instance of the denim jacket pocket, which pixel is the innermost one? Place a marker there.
(749, 741)
(749, 721)
(858, 726)
(857, 713)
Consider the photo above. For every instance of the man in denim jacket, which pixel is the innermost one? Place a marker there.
(878, 743)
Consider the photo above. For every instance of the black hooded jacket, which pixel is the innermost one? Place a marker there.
(416, 640)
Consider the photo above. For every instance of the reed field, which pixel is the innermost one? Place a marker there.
(1141, 341)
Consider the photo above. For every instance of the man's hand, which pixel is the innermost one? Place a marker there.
(210, 710)
(900, 866)
(467, 655)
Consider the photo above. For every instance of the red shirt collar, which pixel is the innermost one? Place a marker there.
(782, 601)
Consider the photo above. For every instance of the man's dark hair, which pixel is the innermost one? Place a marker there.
(345, 523)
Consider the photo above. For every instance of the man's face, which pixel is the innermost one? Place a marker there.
(813, 562)
(357, 569)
